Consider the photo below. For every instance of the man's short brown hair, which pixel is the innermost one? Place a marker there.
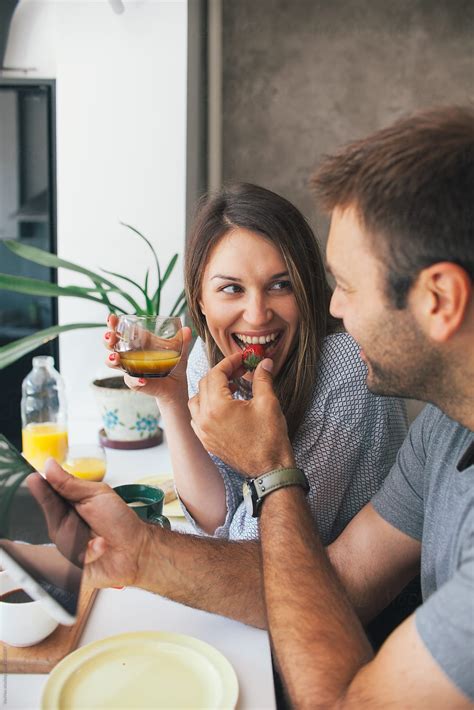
(413, 187)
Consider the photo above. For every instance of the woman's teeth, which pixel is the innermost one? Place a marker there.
(254, 339)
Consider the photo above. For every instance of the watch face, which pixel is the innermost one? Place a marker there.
(249, 499)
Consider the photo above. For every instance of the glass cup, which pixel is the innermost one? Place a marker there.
(86, 461)
(149, 346)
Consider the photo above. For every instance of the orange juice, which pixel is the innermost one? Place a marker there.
(149, 363)
(87, 467)
(40, 441)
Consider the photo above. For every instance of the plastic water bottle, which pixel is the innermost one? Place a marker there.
(43, 414)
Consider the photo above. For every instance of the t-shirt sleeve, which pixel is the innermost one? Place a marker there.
(400, 499)
(445, 623)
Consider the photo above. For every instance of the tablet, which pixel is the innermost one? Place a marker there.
(43, 540)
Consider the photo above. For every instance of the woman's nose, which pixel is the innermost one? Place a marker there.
(257, 311)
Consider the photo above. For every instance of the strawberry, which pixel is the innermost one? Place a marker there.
(252, 355)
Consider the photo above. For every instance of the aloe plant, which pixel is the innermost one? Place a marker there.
(103, 290)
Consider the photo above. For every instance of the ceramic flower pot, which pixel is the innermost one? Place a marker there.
(130, 419)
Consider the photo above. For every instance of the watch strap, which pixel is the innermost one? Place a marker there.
(279, 478)
(273, 480)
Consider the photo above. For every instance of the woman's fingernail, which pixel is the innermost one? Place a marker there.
(107, 335)
(141, 381)
(112, 356)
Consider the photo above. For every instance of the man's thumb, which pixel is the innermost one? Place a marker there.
(262, 378)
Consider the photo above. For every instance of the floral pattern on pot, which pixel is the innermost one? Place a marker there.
(110, 419)
(145, 425)
(126, 415)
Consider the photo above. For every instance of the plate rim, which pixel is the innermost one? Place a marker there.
(70, 663)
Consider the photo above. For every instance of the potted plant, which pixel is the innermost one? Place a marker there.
(130, 419)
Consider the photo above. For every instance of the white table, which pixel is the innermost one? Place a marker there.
(117, 611)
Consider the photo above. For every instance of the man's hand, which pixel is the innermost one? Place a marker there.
(251, 436)
(66, 529)
(119, 539)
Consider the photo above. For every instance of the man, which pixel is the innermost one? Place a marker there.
(400, 248)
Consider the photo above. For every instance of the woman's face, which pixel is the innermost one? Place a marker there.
(246, 296)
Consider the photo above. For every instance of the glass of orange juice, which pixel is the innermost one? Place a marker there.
(149, 346)
(86, 461)
(42, 440)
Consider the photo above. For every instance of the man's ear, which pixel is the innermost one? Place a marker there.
(441, 298)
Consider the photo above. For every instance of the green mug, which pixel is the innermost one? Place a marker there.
(146, 501)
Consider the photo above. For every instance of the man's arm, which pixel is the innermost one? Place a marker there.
(215, 575)
(321, 649)
(218, 576)
(374, 562)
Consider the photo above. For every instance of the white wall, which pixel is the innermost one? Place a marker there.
(121, 123)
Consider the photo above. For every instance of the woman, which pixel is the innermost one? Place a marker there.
(254, 273)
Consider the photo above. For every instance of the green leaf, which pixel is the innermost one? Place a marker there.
(169, 269)
(138, 310)
(11, 465)
(13, 351)
(179, 304)
(149, 302)
(44, 258)
(36, 287)
(147, 241)
(13, 471)
(112, 307)
(182, 309)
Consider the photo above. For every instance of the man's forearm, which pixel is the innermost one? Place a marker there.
(214, 575)
(319, 642)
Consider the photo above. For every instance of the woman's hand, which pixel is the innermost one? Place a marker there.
(166, 389)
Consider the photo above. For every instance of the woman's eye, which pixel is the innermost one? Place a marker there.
(281, 286)
(231, 288)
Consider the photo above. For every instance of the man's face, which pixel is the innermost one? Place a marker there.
(394, 348)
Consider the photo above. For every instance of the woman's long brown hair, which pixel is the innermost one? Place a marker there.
(261, 211)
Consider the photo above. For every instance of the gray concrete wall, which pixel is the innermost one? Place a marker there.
(300, 77)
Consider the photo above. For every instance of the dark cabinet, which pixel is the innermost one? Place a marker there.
(27, 214)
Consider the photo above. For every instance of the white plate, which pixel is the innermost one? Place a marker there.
(147, 669)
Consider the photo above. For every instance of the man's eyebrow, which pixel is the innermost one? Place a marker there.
(234, 278)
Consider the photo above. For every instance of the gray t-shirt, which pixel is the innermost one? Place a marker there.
(346, 443)
(429, 495)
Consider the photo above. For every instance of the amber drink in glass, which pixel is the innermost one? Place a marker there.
(149, 346)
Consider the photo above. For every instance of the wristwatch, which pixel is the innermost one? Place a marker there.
(255, 489)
